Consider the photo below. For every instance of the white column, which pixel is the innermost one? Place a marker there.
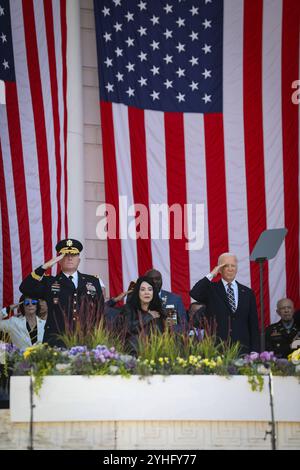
(75, 124)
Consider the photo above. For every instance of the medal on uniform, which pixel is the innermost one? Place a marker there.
(55, 287)
(91, 289)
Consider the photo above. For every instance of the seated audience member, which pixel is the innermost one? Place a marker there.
(168, 298)
(10, 310)
(142, 314)
(284, 336)
(26, 329)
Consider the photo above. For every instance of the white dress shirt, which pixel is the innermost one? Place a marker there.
(235, 290)
(74, 278)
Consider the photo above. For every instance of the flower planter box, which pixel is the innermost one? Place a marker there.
(177, 397)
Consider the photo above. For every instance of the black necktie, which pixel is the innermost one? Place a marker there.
(71, 279)
(230, 296)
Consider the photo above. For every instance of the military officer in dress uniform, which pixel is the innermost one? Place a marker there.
(284, 336)
(65, 293)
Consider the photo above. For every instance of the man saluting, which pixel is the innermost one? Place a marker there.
(65, 293)
(230, 304)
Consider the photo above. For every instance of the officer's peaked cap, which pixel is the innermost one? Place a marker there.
(69, 246)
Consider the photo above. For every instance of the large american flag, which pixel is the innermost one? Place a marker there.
(33, 120)
(195, 102)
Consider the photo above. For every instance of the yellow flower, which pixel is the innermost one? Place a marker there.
(209, 363)
(182, 362)
(193, 360)
(295, 357)
(28, 351)
(219, 360)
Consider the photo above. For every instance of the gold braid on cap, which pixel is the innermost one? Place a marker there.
(69, 251)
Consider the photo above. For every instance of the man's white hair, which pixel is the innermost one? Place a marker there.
(227, 254)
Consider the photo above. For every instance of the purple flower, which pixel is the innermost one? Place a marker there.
(22, 368)
(77, 350)
(232, 369)
(283, 362)
(8, 348)
(253, 356)
(267, 356)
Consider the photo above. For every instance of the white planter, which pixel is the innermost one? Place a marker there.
(184, 397)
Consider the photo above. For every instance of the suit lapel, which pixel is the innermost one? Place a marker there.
(241, 295)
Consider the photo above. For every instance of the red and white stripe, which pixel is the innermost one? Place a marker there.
(242, 164)
(33, 143)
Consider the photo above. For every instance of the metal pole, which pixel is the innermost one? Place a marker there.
(273, 429)
(262, 312)
(30, 446)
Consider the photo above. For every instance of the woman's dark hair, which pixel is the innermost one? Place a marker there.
(22, 306)
(135, 301)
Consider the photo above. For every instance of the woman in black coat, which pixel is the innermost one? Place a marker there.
(142, 314)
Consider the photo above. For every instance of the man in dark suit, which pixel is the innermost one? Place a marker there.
(168, 298)
(74, 299)
(229, 304)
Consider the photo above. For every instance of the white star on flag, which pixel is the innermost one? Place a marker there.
(155, 95)
(206, 73)
(180, 97)
(130, 92)
(206, 98)
(206, 48)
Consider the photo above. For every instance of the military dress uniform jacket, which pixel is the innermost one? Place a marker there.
(63, 300)
(242, 325)
(279, 339)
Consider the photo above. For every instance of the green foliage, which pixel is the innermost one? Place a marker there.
(40, 361)
(159, 353)
(156, 345)
(91, 337)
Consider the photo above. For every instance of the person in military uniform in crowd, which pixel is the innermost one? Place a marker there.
(284, 336)
(65, 293)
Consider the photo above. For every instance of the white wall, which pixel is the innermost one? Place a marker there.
(95, 250)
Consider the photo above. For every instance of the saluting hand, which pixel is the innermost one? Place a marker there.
(217, 269)
(52, 261)
(122, 295)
